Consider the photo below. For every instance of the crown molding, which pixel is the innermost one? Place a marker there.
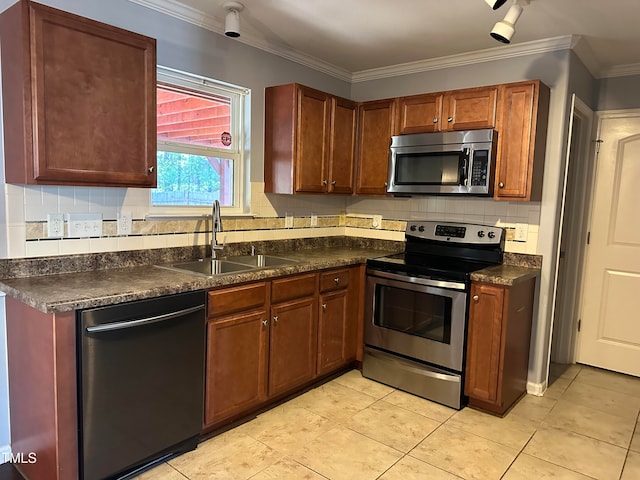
(479, 56)
(621, 71)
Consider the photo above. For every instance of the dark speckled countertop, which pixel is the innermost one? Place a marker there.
(86, 289)
(73, 282)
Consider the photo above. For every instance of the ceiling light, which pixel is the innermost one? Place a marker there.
(504, 30)
(495, 4)
(232, 20)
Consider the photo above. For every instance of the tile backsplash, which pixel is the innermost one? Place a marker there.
(336, 215)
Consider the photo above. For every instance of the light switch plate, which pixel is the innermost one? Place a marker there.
(288, 221)
(522, 229)
(314, 220)
(83, 225)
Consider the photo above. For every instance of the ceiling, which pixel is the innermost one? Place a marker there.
(355, 38)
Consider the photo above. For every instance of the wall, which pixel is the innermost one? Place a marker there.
(619, 93)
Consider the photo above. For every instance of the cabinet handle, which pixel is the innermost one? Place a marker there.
(450, 119)
(476, 298)
(324, 306)
(337, 280)
(501, 184)
(151, 169)
(435, 119)
(275, 318)
(265, 322)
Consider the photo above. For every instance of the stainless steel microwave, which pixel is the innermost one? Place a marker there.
(447, 163)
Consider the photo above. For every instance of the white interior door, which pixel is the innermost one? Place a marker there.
(610, 326)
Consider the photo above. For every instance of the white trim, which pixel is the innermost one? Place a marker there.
(537, 389)
(574, 42)
(487, 55)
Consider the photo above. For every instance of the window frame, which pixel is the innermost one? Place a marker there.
(197, 83)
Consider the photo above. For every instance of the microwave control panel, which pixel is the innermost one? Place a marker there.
(479, 168)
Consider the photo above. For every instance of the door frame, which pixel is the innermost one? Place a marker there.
(577, 192)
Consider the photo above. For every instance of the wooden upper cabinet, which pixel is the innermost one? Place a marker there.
(420, 113)
(522, 133)
(376, 125)
(467, 109)
(470, 109)
(309, 141)
(79, 100)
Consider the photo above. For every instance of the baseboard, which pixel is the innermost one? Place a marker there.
(5, 453)
(537, 389)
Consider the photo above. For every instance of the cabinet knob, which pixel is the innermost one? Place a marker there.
(337, 280)
(333, 182)
(324, 306)
(450, 119)
(501, 184)
(151, 168)
(386, 184)
(265, 322)
(324, 182)
(476, 298)
(435, 119)
(275, 318)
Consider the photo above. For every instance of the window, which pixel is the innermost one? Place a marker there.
(200, 144)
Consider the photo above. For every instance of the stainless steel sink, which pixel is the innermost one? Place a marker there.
(261, 261)
(219, 266)
(209, 267)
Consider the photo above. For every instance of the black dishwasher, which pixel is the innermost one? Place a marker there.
(140, 383)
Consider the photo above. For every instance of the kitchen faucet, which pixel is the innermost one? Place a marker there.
(216, 222)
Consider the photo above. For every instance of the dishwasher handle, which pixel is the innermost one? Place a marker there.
(108, 327)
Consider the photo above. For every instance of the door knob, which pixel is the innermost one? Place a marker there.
(476, 298)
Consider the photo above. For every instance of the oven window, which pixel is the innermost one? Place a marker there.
(416, 313)
(436, 168)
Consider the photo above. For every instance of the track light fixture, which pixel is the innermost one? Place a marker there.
(504, 30)
(495, 4)
(232, 20)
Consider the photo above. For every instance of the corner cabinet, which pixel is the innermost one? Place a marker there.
(376, 125)
(498, 342)
(79, 100)
(309, 141)
(522, 134)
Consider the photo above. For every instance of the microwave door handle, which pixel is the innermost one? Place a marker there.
(464, 179)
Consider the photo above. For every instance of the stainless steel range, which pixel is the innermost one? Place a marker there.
(416, 308)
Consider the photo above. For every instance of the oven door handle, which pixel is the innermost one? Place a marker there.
(417, 280)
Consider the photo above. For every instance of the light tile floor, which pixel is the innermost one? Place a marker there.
(586, 426)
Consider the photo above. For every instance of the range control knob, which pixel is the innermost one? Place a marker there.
(421, 228)
(412, 228)
(491, 234)
(481, 233)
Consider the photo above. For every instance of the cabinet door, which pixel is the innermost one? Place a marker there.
(292, 350)
(236, 370)
(419, 113)
(312, 140)
(470, 109)
(342, 148)
(484, 343)
(521, 141)
(333, 350)
(91, 111)
(376, 125)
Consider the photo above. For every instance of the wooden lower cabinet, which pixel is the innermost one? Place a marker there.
(267, 339)
(498, 344)
(237, 360)
(292, 346)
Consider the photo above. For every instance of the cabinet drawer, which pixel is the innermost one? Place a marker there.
(293, 287)
(236, 299)
(334, 280)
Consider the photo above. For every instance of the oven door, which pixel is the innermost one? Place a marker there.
(416, 317)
